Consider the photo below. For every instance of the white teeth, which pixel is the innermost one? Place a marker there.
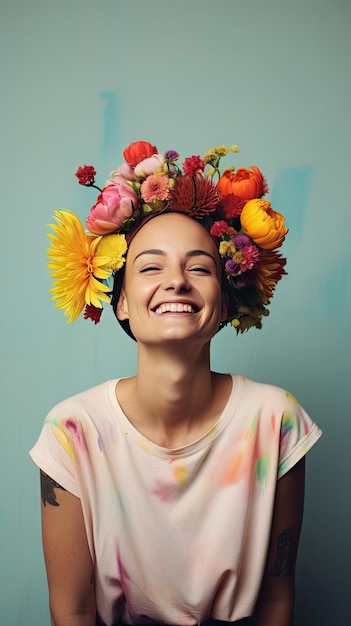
(174, 307)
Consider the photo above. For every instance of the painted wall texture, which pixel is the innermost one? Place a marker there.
(80, 81)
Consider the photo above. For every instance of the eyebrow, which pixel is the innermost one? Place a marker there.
(190, 254)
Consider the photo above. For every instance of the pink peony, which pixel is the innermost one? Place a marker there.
(149, 166)
(114, 205)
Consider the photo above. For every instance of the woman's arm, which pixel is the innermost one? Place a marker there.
(68, 563)
(276, 600)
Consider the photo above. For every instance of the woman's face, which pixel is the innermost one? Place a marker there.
(172, 282)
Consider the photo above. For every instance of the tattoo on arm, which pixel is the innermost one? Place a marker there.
(47, 485)
(283, 564)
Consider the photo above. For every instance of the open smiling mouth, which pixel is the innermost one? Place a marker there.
(175, 307)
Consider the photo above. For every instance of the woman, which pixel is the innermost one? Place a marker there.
(174, 496)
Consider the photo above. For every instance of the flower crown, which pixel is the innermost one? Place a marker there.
(228, 203)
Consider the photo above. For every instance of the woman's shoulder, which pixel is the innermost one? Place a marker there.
(86, 402)
(262, 393)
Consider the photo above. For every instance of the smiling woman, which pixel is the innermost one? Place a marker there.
(174, 496)
(181, 282)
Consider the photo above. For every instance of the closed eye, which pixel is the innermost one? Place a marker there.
(149, 268)
(201, 270)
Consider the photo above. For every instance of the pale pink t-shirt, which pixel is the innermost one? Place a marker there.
(176, 536)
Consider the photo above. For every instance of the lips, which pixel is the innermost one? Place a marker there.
(175, 307)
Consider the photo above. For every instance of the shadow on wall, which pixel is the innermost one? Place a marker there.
(290, 193)
(110, 122)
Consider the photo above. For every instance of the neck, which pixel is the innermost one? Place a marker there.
(174, 398)
(174, 378)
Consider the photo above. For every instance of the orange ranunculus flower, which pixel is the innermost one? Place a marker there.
(264, 226)
(138, 151)
(244, 183)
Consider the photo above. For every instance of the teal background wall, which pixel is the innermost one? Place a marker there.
(81, 80)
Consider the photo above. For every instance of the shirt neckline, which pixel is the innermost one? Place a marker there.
(150, 447)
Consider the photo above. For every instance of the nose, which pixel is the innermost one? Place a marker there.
(176, 280)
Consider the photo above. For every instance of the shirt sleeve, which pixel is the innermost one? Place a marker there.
(298, 433)
(53, 454)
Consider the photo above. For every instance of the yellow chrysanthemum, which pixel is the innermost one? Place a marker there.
(222, 150)
(75, 267)
(114, 247)
(235, 323)
(234, 148)
(218, 150)
(210, 157)
(227, 248)
(248, 317)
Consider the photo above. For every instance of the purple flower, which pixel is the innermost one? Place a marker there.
(232, 267)
(241, 241)
(171, 155)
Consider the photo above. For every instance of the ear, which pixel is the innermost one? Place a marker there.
(224, 310)
(122, 306)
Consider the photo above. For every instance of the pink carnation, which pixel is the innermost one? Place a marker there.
(251, 257)
(155, 188)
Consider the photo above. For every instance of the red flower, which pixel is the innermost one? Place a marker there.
(93, 313)
(194, 195)
(231, 206)
(138, 151)
(218, 228)
(86, 175)
(193, 165)
(268, 272)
